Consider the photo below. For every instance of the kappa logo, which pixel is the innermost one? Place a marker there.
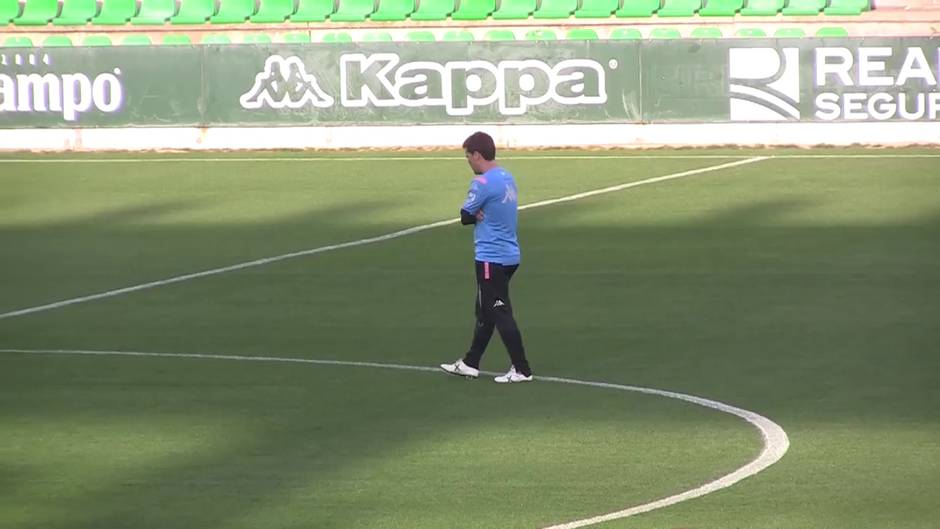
(460, 88)
(285, 83)
(764, 84)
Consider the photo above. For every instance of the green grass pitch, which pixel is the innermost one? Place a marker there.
(804, 287)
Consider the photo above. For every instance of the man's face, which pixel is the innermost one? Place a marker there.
(475, 160)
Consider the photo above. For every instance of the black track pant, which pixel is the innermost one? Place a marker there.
(494, 311)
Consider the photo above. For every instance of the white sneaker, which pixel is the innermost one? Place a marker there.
(461, 369)
(512, 376)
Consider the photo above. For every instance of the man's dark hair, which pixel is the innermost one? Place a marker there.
(482, 143)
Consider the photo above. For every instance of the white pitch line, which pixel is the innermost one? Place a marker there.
(774, 438)
(360, 242)
(653, 180)
(459, 158)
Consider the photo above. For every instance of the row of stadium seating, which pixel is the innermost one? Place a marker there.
(157, 12)
(421, 36)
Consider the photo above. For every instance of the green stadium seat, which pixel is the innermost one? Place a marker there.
(393, 10)
(665, 33)
(216, 39)
(194, 12)
(76, 13)
(458, 35)
(581, 34)
(273, 11)
(474, 9)
(540, 34)
(598, 8)
(37, 13)
(420, 36)
(136, 40)
(377, 36)
(514, 9)
(706, 33)
(789, 33)
(233, 12)
(679, 8)
(637, 8)
(96, 41)
(500, 35)
(556, 9)
(721, 8)
(312, 11)
(339, 36)
(750, 32)
(176, 40)
(353, 10)
(257, 38)
(433, 10)
(297, 38)
(762, 8)
(804, 7)
(846, 7)
(154, 12)
(57, 41)
(115, 12)
(832, 31)
(18, 42)
(625, 34)
(9, 9)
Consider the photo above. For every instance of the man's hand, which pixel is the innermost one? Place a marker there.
(479, 216)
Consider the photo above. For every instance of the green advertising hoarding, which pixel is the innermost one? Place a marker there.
(486, 82)
(113, 87)
(414, 84)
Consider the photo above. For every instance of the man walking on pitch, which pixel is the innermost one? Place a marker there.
(491, 206)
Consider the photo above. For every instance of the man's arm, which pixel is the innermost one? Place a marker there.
(467, 218)
(472, 209)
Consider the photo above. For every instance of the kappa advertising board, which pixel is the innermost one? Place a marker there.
(450, 83)
(444, 84)
(385, 80)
